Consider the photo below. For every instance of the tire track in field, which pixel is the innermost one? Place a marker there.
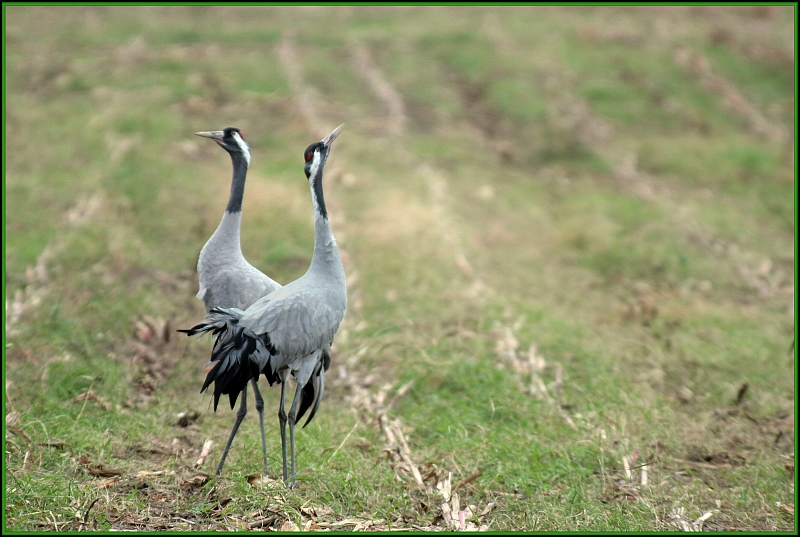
(392, 102)
(451, 235)
(598, 135)
(574, 115)
(697, 65)
(438, 188)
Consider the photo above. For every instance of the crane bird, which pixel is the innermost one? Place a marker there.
(227, 280)
(288, 331)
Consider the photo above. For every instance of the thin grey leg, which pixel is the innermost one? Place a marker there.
(282, 419)
(292, 419)
(260, 408)
(239, 417)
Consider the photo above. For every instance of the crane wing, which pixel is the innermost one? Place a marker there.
(298, 320)
(235, 287)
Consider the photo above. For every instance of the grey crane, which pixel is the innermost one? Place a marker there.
(227, 280)
(288, 331)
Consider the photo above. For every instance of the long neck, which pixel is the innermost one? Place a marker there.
(237, 185)
(326, 252)
(318, 197)
(225, 239)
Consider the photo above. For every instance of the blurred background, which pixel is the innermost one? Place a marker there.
(568, 234)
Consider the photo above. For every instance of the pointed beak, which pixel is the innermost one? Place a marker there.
(217, 135)
(328, 140)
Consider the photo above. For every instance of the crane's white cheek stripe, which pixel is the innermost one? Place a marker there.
(243, 146)
(312, 177)
(314, 166)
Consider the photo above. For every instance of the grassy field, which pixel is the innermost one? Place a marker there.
(568, 234)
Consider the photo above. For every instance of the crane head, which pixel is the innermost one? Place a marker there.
(231, 140)
(316, 154)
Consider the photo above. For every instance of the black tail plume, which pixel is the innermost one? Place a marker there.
(238, 354)
(215, 322)
(314, 388)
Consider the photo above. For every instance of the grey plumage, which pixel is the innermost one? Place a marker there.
(289, 331)
(226, 278)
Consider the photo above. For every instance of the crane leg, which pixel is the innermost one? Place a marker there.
(292, 419)
(260, 408)
(242, 412)
(282, 419)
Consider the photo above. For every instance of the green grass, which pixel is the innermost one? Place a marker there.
(563, 184)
